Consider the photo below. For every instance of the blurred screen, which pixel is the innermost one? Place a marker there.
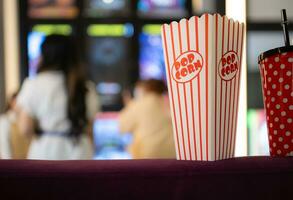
(258, 142)
(52, 9)
(110, 61)
(261, 41)
(109, 143)
(255, 10)
(162, 8)
(151, 56)
(36, 37)
(105, 8)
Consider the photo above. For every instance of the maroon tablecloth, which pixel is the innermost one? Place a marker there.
(241, 178)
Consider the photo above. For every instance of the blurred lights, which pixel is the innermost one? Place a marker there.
(108, 1)
(110, 30)
(109, 88)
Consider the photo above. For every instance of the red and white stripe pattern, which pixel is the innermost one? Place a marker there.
(204, 108)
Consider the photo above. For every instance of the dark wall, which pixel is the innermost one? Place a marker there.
(2, 80)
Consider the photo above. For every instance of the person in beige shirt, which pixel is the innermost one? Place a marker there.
(148, 118)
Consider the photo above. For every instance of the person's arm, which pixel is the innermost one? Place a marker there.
(25, 108)
(93, 107)
(5, 144)
(25, 123)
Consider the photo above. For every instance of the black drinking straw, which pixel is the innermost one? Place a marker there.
(285, 27)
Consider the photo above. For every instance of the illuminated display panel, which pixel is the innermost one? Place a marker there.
(109, 56)
(108, 141)
(52, 9)
(258, 141)
(162, 8)
(106, 8)
(151, 56)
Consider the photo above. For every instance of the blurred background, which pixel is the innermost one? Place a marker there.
(121, 43)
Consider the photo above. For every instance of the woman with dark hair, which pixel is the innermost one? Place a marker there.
(57, 105)
(148, 118)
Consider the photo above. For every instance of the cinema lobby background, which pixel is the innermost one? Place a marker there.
(120, 43)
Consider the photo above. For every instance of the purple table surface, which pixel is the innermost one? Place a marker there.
(238, 178)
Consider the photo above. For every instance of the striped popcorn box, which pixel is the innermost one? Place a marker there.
(203, 61)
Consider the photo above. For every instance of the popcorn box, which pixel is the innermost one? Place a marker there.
(203, 64)
(276, 68)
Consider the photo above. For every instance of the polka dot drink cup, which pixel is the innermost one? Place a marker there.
(276, 69)
(203, 64)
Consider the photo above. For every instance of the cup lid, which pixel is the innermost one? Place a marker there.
(271, 52)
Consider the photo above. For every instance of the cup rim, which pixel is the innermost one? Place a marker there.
(271, 52)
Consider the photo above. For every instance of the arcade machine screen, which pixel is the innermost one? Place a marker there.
(110, 61)
(109, 142)
(52, 9)
(258, 142)
(105, 8)
(151, 56)
(35, 39)
(162, 8)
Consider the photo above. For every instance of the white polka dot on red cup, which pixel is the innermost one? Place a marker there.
(274, 86)
(275, 72)
(276, 119)
(274, 144)
(291, 153)
(275, 132)
(285, 53)
(273, 99)
(266, 59)
(286, 146)
(280, 139)
(291, 94)
(277, 59)
(285, 100)
(288, 133)
(290, 59)
(289, 120)
(288, 73)
(282, 126)
(271, 125)
(278, 106)
(282, 66)
(292, 141)
(270, 66)
(281, 80)
(270, 137)
(271, 112)
(291, 107)
(268, 92)
(279, 151)
(269, 79)
(283, 113)
(268, 118)
(279, 93)
(268, 105)
(265, 73)
(286, 87)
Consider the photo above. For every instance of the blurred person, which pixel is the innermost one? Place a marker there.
(147, 117)
(13, 145)
(57, 106)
